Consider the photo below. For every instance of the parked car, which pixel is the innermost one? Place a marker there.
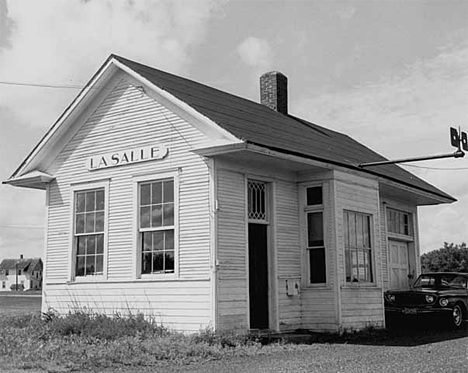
(443, 294)
(17, 287)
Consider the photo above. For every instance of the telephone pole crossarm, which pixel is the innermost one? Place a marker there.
(457, 154)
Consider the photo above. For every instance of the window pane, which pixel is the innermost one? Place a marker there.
(169, 240)
(89, 225)
(168, 191)
(317, 266)
(90, 245)
(158, 240)
(346, 228)
(80, 266)
(99, 263)
(90, 265)
(169, 261)
(156, 216)
(315, 229)
(359, 231)
(146, 263)
(90, 201)
(348, 265)
(80, 222)
(80, 202)
(80, 245)
(158, 261)
(352, 229)
(147, 243)
(145, 217)
(100, 244)
(314, 196)
(156, 193)
(145, 190)
(168, 214)
(100, 200)
(100, 221)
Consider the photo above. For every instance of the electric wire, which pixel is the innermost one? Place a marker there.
(437, 168)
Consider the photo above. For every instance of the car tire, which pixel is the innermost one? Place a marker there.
(457, 316)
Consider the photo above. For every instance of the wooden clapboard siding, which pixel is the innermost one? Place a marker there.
(289, 306)
(179, 305)
(231, 250)
(318, 309)
(360, 305)
(126, 119)
(288, 247)
(288, 252)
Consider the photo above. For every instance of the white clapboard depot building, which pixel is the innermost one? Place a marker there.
(174, 199)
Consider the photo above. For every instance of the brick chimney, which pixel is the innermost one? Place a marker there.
(274, 91)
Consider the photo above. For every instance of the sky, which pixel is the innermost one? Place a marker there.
(392, 74)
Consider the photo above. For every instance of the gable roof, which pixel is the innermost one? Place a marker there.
(27, 265)
(259, 125)
(245, 120)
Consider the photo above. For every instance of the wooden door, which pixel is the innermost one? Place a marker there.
(398, 265)
(258, 276)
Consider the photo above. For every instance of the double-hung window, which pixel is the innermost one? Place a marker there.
(358, 246)
(156, 226)
(89, 223)
(315, 241)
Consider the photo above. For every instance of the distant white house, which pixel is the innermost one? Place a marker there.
(21, 274)
(175, 199)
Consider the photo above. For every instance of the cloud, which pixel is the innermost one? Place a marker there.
(409, 115)
(64, 42)
(256, 53)
(346, 13)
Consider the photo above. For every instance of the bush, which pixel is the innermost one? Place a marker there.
(83, 340)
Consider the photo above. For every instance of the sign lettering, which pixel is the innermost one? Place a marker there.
(137, 155)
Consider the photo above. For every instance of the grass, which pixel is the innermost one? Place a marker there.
(19, 303)
(88, 341)
(83, 340)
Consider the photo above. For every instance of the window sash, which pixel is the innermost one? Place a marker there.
(156, 226)
(358, 246)
(89, 231)
(398, 222)
(316, 256)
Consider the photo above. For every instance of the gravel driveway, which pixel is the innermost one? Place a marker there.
(448, 357)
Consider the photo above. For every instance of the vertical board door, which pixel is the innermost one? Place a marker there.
(398, 264)
(258, 276)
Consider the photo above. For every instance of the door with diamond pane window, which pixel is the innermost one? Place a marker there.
(258, 255)
(398, 264)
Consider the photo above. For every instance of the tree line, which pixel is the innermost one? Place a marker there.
(450, 258)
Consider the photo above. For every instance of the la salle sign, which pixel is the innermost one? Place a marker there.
(148, 153)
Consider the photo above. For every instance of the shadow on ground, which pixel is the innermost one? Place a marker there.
(401, 333)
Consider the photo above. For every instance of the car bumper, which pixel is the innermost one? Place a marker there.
(412, 311)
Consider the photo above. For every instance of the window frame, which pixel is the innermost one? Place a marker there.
(397, 235)
(84, 187)
(137, 253)
(304, 211)
(371, 249)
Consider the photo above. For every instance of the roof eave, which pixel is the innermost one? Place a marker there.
(425, 197)
(33, 180)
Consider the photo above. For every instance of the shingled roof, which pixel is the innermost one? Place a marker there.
(257, 124)
(26, 265)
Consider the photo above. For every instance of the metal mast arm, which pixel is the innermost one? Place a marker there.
(457, 154)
